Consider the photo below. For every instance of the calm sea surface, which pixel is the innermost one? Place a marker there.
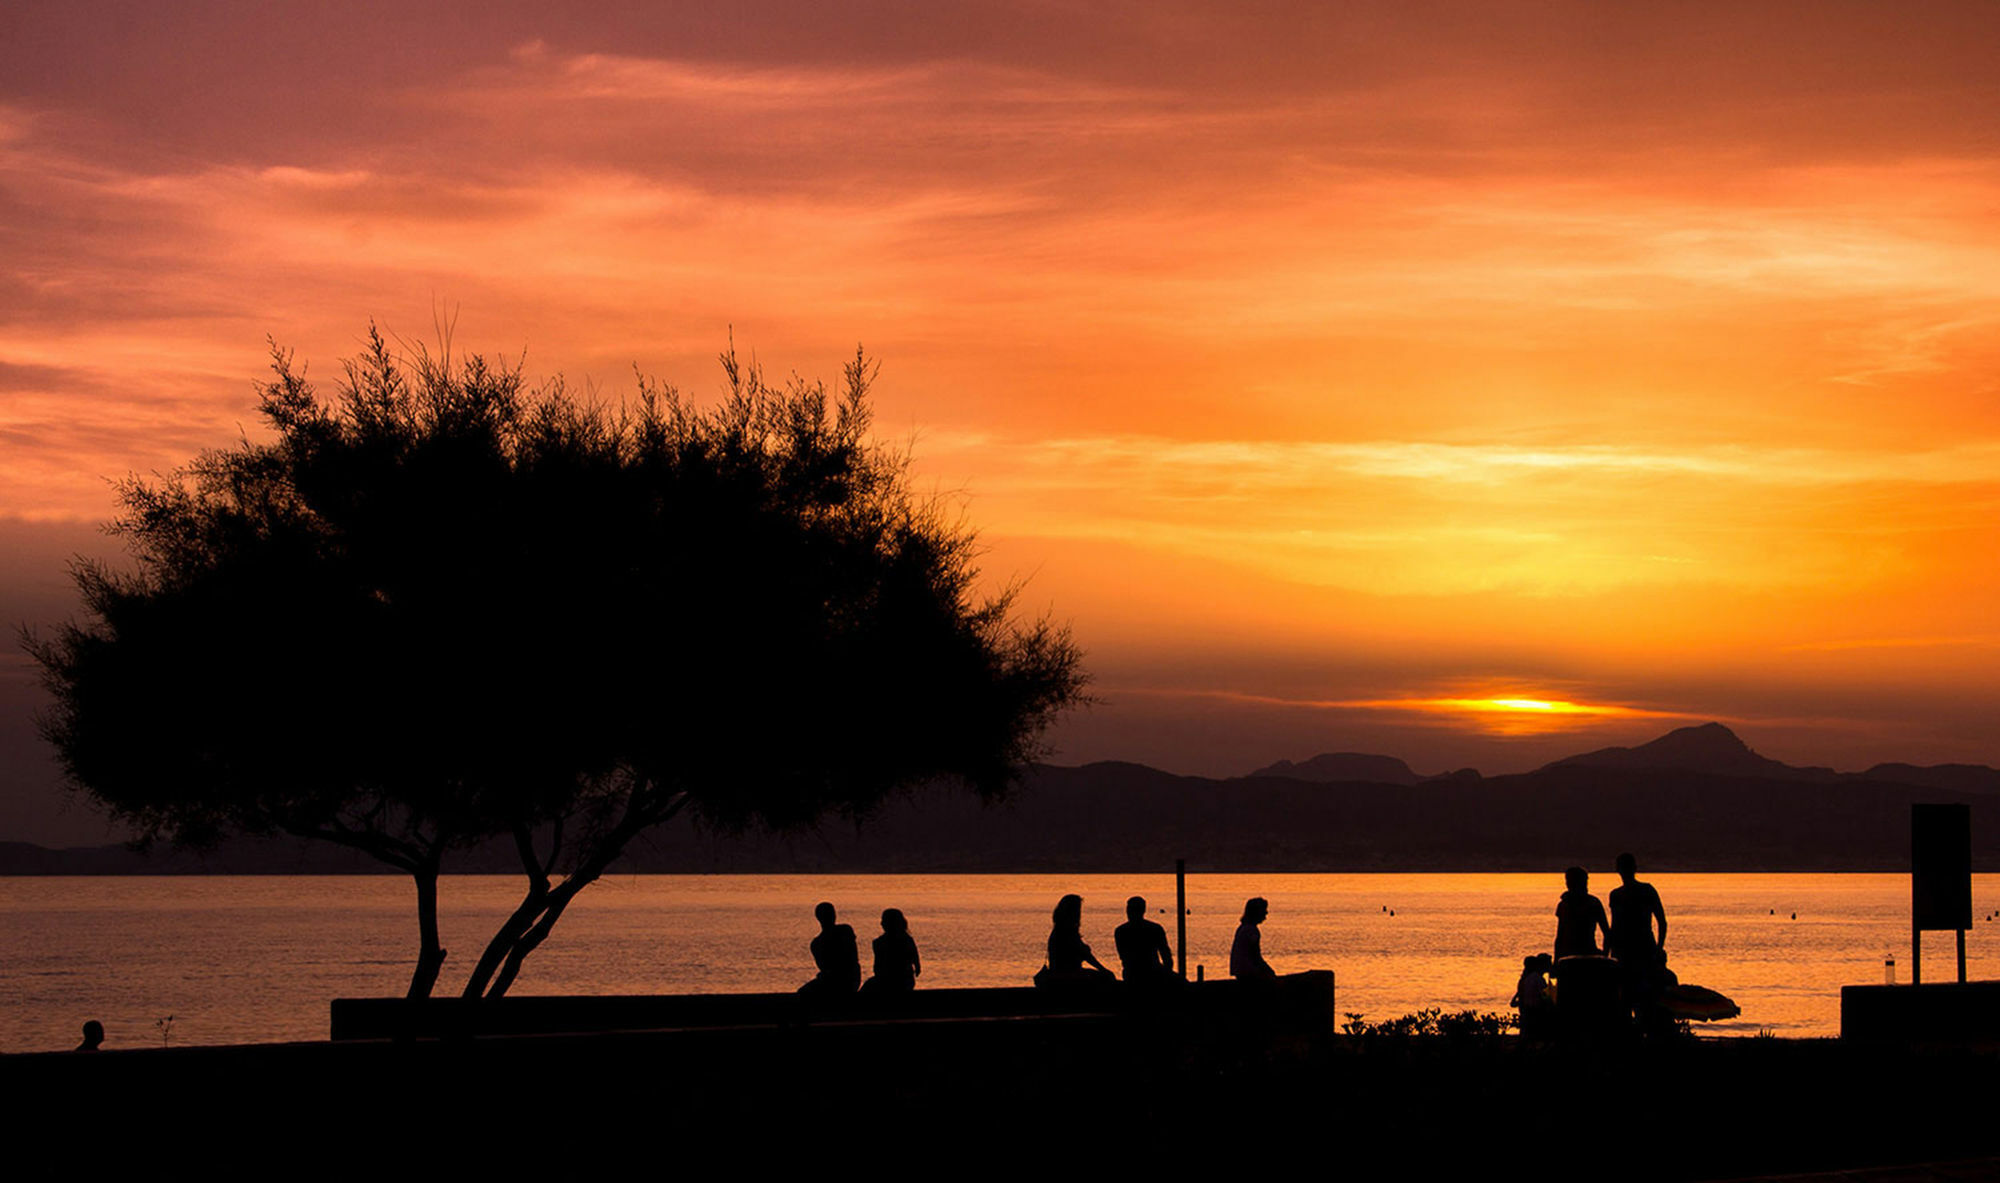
(249, 959)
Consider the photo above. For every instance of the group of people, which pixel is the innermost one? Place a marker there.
(838, 960)
(1143, 952)
(1635, 937)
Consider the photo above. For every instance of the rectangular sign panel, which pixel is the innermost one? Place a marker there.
(1941, 866)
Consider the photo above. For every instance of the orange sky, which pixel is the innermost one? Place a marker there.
(1330, 368)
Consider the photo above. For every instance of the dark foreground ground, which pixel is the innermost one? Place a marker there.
(1035, 1098)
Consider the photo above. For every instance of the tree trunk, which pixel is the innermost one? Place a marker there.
(503, 941)
(430, 954)
(531, 940)
(532, 921)
(532, 905)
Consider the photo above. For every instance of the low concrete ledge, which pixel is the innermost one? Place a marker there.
(1302, 1002)
(1934, 1012)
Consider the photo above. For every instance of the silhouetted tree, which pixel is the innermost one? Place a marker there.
(444, 609)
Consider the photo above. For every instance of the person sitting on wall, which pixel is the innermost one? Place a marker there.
(1246, 952)
(896, 962)
(1143, 951)
(835, 955)
(93, 1037)
(1070, 961)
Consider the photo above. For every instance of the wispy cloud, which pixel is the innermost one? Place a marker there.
(547, 74)
(1265, 463)
(1977, 641)
(1502, 712)
(1414, 335)
(1428, 519)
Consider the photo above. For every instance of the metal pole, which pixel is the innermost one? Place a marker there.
(1180, 913)
(1916, 955)
(1961, 957)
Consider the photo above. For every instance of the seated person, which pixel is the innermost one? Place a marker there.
(1246, 952)
(835, 955)
(1143, 951)
(93, 1036)
(1070, 959)
(896, 963)
(1534, 995)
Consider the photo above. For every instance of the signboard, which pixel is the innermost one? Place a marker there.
(1941, 866)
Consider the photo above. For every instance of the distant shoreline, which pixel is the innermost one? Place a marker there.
(1116, 817)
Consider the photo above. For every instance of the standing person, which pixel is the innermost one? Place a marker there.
(1635, 909)
(835, 955)
(1642, 956)
(896, 963)
(1246, 952)
(1070, 960)
(1579, 915)
(1143, 951)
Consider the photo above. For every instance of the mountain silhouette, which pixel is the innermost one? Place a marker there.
(1695, 799)
(1709, 748)
(1329, 767)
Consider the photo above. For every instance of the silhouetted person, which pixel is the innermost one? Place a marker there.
(1143, 951)
(1532, 997)
(1533, 988)
(896, 964)
(1635, 909)
(1246, 952)
(834, 954)
(1070, 960)
(1579, 915)
(93, 1036)
(1642, 956)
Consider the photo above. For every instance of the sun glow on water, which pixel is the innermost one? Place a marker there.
(1455, 941)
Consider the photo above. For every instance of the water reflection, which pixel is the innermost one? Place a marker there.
(256, 958)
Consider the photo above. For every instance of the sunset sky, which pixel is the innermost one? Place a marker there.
(1336, 370)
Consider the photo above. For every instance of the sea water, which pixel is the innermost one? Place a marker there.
(239, 959)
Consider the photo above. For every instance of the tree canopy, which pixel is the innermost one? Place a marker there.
(442, 608)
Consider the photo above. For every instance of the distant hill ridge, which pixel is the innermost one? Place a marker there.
(1696, 799)
(1340, 766)
(1707, 748)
